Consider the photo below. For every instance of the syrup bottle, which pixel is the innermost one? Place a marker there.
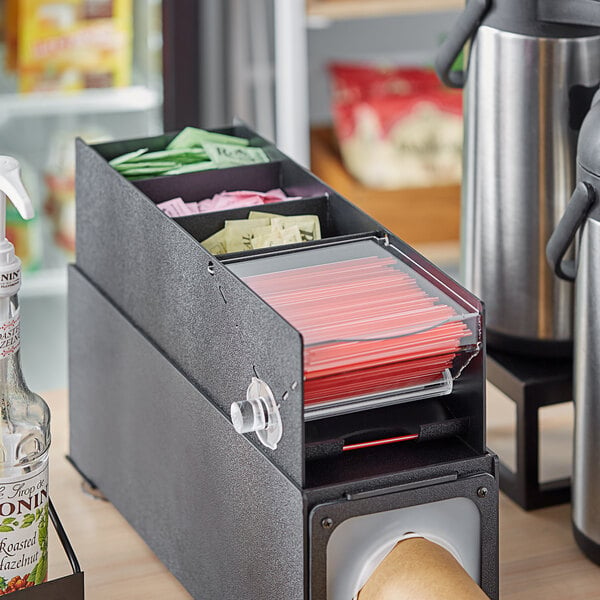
(24, 422)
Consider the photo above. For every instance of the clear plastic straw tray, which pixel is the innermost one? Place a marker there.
(375, 330)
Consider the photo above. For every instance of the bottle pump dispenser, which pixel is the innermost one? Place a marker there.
(10, 264)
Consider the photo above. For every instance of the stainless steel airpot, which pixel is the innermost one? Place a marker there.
(533, 67)
(581, 220)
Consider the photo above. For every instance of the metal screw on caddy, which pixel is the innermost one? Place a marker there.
(533, 67)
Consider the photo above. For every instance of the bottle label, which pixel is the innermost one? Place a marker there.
(10, 281)
(10, 336)
(24, 531)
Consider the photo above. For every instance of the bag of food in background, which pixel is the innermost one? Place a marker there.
(397, 127)
(60, 183)
(67, 45)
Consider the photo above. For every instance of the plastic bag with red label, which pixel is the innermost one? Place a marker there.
(397, 127)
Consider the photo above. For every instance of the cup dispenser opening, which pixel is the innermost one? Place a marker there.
(360, 543)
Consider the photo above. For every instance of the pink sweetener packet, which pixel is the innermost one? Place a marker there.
(277, 195)
(223, 201)
(241, 198)
(227, 200)
(176, 207)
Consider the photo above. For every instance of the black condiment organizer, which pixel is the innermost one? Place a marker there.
(163, 337)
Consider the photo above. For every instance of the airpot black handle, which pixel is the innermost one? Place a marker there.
(465, 28)
(570, 12)
(576, 213)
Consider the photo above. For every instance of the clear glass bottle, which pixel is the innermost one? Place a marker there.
(24, 422)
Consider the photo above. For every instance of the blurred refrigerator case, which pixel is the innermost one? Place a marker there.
(68, 68)
(74, 68)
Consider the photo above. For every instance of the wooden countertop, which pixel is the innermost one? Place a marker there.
(117, 563)
(538, 557)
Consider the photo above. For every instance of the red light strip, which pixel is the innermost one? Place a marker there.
(400, 438)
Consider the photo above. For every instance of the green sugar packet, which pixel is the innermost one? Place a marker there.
(151, 171)
(190, 151)
(192, 168)
(127, 157)
(225, 155)
(157, 165)
(192, 137)
(183, 155)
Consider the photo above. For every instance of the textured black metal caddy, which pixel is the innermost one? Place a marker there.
(164, 337)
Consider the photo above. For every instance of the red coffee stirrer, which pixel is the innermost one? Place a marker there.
(368, 327)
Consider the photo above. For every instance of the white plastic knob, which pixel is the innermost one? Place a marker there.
(258, 413)
(249, 415)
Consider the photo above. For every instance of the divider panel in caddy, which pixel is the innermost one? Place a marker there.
(218, 332)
